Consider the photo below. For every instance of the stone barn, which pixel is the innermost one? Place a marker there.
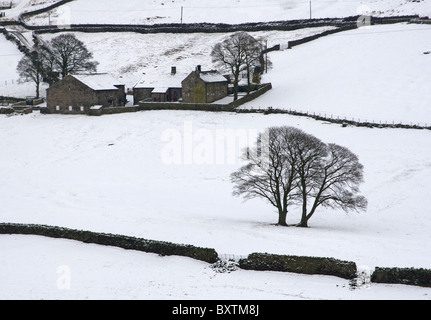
(204, 86)
(76, 94)
(159, 88)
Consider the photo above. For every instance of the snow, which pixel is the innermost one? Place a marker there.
(377, 73)
(22, 6)
(98, 81)
(161, 79)
(152, 63)
(69, 270)
(165, 175)
(9, 78)
(138, 187)
(224, 11)
(212, 76)
(118, 174)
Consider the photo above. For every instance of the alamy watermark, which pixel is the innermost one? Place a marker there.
(201, 146)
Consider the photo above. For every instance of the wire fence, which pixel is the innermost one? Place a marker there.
(345, 121)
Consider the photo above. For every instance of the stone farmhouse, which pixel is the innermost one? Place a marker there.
(196, 87)
(204, 86)
(76, 94)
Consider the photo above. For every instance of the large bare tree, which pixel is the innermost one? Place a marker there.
(270, 171)
(311, 153)
(290, 167)
(70, 55)
(239, 52)
(335, 184)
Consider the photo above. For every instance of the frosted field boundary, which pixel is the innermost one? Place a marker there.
(255, 261)
(343, 120)
(288, 25)
(125, 242)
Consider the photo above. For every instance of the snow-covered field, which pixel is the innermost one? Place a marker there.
(224, 11)
(70, 270)
(22, 6)
(380, 73)
(131, 55)
(165, 175)
(156, 175)
(9, 78)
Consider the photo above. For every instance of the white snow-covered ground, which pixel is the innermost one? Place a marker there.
(164, 176)
(224, 11)
(378, 73)
(41, 268)
(22, 6)
(9, 79)
(167, 178)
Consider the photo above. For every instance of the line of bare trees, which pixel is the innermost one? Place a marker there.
(289, 167)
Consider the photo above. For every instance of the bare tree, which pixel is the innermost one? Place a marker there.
(311, 153)
(289, 167)
(47, 60)
(237, 53)
(270, 170)
(336, 184)
(30, 69)
(70, 55)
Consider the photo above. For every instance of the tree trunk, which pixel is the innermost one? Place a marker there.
(37, 89)
(304, 219)
(282, 215)
(248, 81)
(236, 85)
(303, 223)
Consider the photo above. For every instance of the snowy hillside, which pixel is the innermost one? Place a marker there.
(379, 73)
(224, 11)
(9, 78)
(165, 175)
(116, 174)
(131, 55)
(22, 6)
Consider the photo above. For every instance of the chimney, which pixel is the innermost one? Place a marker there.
(174, 70)
(199, 68)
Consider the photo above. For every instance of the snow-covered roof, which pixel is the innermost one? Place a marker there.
(212, 76)
(160, 90)
(161, 81)
(98, 81)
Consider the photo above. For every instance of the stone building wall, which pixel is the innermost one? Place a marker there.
(141, 94)
(73, 97)
(67, 93)
(195, 90)
(216, 91)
